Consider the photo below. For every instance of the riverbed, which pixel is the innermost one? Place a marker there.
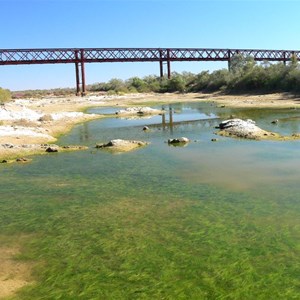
(217, 218)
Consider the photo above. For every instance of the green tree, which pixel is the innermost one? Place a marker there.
(200, 82)
(138, 84)
(218, 80)
(117, 85)
(294, 61)
(176, 83)
(241, 64)
(98, 87)
(153, 83)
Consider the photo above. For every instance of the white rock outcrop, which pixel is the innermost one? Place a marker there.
(141, 111)
(244, 129)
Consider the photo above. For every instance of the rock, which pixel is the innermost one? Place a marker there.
(120, 145)
(72, 147)
(236, 123)
(178, 140)
(51, 149)
(145, 128)
(4, 161)
(7, 145)
(46, 118)
(22, 159)
(140, 111)
(244, 129)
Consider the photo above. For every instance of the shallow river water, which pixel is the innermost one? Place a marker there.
(211, 220)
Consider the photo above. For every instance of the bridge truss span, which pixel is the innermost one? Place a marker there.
(80, 56)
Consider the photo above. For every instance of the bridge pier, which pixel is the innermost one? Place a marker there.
(77, 79)
(161, 69)
(161, 64)
(168, 63)
(80, 72)
(83, 92)
(229, 60)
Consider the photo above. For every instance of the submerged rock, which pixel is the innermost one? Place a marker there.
(22, 159)
(182, 140)
(52, 149)
(120, 145)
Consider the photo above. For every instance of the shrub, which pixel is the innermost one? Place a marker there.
(218, 80)
(46, 118)
(176, 83)
(199, 82)
(138, 85)
(5, 95)
(153, 82)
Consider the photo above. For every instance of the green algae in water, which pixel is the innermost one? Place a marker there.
(207, 221)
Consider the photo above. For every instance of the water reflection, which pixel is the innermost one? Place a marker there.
(234, 163)
(167, 123)
(84, 135)
(183, 119)
(178, 118)
(171, 119)
(228, 162)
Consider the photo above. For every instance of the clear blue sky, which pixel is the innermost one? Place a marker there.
(265, 24)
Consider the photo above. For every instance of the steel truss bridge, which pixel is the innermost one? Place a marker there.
(80, 56)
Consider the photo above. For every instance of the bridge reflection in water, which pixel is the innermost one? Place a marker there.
(167, 123)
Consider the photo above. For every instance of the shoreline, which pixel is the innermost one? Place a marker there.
(41, 121)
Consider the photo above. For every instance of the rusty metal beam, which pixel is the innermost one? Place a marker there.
(83, 91)
(77, 73)
(161, 67)
(55, 56)
(169, 63)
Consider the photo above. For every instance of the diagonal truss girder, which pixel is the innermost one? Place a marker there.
(89, 55)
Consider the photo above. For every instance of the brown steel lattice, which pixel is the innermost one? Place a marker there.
(68, 55)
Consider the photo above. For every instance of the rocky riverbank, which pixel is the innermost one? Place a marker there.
(28, 122)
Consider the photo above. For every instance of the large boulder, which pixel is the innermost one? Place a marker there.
(244, 129)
